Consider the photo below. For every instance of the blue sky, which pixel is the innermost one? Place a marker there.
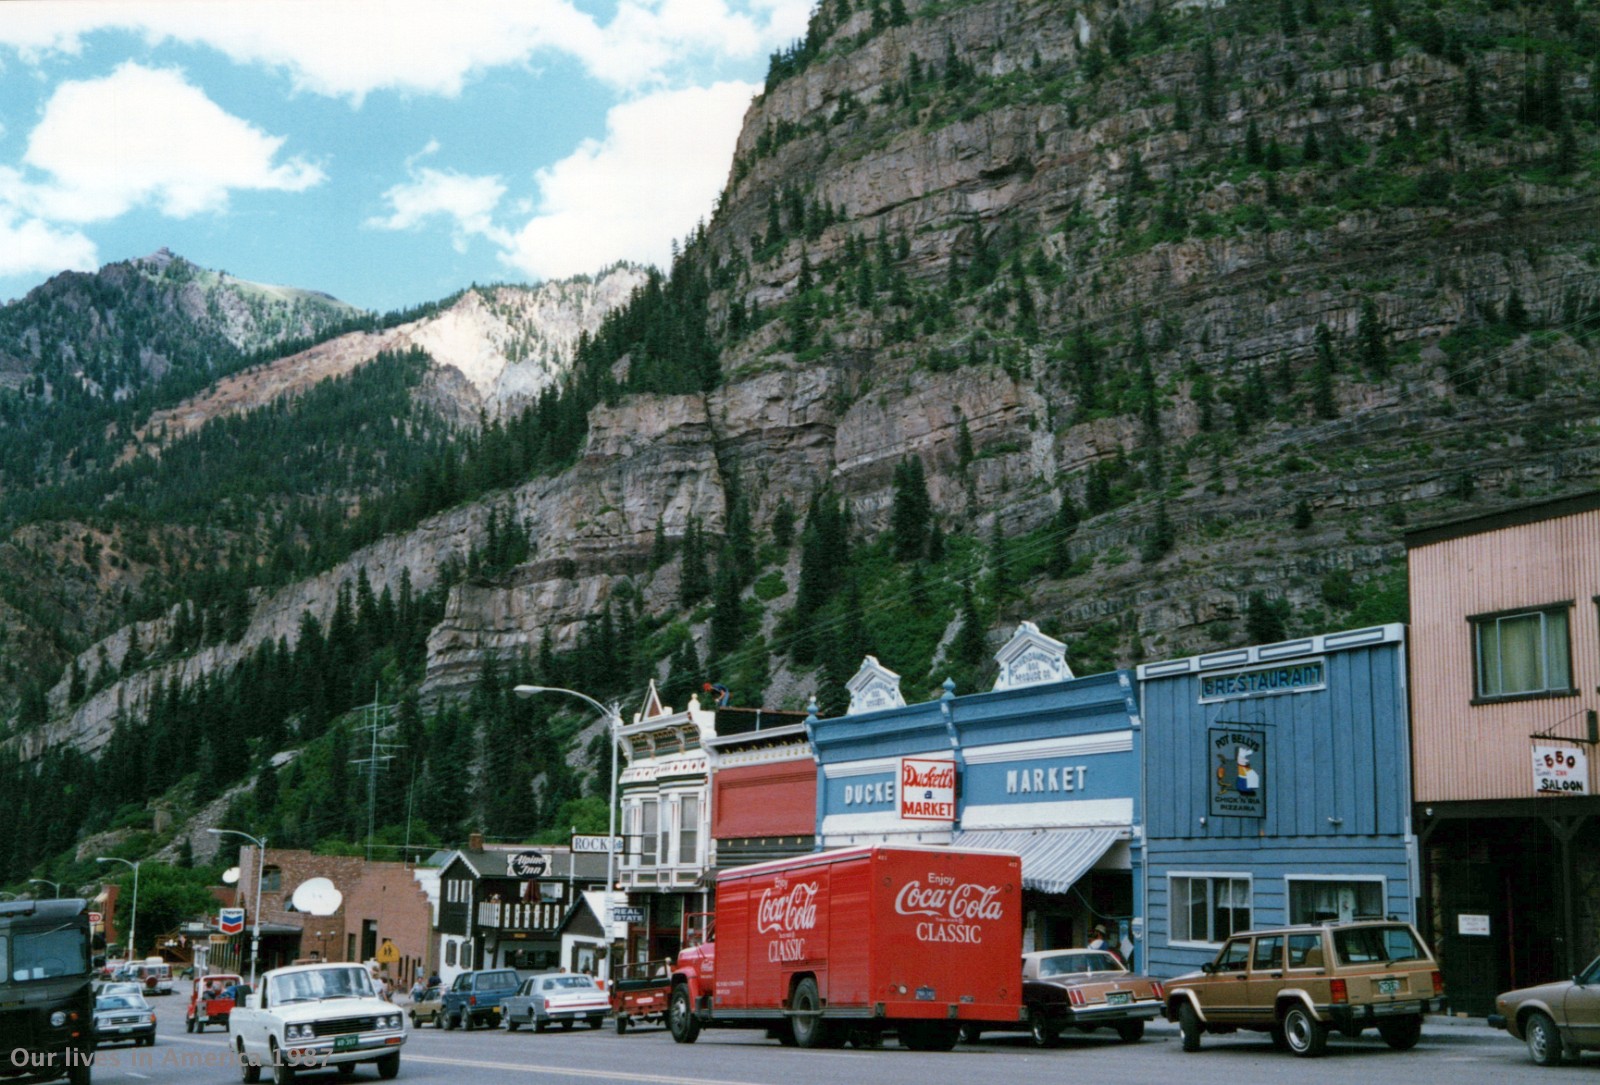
(388, 152)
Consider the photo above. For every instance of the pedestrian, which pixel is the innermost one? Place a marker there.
(433, 978)
(418, 990)
(1098, 939)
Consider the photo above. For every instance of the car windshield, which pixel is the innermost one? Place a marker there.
(120, 1002)
(46, 954)
(496, 980)
(1066, 964)
(569, 983)
(1591, 974)
(1365, 945)
(315, 983)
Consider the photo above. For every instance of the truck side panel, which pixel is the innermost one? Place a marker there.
(787, 923)
(851, 932)
(732, 980)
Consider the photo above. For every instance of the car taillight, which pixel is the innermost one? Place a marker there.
(1438, 983)
(1075, 996)
(1161, 992)
(472, 1000)
(1338, 991)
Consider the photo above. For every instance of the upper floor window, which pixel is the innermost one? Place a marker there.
(1523, 653)
(1208, 909)
(271, 880)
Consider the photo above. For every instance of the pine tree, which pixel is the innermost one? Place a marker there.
(1323, 402)
(727, 615)
(783, 524)
(1371, 340)
(694, 579)
(970, 645)
(1266, 621)
(1159, 540)
(1062, 527)
(1302, 515)
(912, 510)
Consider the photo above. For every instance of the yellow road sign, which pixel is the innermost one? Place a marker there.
(387, 953)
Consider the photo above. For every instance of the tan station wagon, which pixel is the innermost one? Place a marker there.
(1300, 983)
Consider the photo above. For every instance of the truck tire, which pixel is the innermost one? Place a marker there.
(622, 1023)
(681, 1021)
(1402, 1033)
(512, 1024)
(79, 1073)
(1130, 1032)
(1544, 1041)
(928, 1035)
(1307, 1037)
(450, 1021)
(810, 1030)
(188, 1024)
(282, 1071)
(1189, 1025)
(389, 1066)
(249, 1072)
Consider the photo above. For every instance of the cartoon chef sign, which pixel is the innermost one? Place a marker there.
(1239, 775)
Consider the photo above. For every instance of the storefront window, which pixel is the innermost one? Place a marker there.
(1316, 901)
(1208, 909)
(689, 833)
(1523, 653)
(449, 954)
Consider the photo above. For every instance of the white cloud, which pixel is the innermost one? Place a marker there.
(146, 137)
(469, 202)
(350, 48)
(627, 197)
(31, 247)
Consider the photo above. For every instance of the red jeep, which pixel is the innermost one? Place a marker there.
(209, 1002)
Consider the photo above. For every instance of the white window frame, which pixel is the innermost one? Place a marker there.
(1208, 875)
(1545, 688)
(693, 859)
(1288, 898)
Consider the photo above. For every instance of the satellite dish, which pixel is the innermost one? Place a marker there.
(317, 896)
(231, 876)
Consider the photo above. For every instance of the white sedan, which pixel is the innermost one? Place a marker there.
(566, 997)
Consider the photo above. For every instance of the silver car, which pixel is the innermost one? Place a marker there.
(566, 997)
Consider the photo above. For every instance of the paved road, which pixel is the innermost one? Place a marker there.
(1452, 1054)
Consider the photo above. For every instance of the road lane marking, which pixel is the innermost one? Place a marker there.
(192, 1040)
(572, 1071)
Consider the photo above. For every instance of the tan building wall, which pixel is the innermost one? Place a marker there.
(1467, 751)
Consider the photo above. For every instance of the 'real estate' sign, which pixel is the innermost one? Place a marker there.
(1560, 770)
(1238, 767)
(1299, 677)
(927, 789)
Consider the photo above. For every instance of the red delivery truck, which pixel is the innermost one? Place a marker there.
(856, 942)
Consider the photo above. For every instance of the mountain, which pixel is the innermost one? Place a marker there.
(1154, 323)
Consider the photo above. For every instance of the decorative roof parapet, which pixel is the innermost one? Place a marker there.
(1030, 658)
(874, 687)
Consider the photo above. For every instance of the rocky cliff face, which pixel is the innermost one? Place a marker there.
(1278, 285)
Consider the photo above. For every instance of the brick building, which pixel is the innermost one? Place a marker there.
(382, 902)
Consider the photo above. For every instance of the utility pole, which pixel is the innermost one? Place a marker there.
(379, 753)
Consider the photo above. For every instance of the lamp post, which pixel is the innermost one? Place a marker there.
(6, 894)
(133, 921)
(55, 887)
(261, 861)
(613, 718)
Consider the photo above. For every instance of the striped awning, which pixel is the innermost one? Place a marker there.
(1052, 859)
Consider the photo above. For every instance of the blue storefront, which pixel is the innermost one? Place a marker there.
(1278, 788)
(1045, 764)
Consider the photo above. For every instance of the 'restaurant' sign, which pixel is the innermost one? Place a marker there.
(1560, 770)
(1299, 677)
(927, 789)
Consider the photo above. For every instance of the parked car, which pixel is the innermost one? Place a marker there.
(474, 998)
(567, 997)
(425, 1010)
(1299, 983)
(1079, 988)
(124, 1016)
(639, 993)
(210, 1001)
(1556, 1020)
(315, 1016)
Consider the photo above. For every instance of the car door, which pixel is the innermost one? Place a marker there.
(1582, 1006)
(1266, 975)
(1226, 997)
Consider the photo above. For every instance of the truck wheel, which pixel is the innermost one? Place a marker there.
(622, 1023)
(188, 1024)
(1307, 1037)
(438, 1019)
(1045, 1032)
(389, 1066)
(680, 1016)
(1402, 1033)
(568, 1023)
(282, 1072)
(928, 1035)
(1130, 1032)
(596, 1022)
(450, 1021)
(1189, 1025)
(79, 1073)
(468, 1022)
(971, 1034)
(249, 1072)
(809, 1027)
(1544, 1042)
(512, 1024)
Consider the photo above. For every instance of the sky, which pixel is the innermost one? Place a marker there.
(387, 152)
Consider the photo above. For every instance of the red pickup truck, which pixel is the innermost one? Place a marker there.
(209, 1003)
(853, 943)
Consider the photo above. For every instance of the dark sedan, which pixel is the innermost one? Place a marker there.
(124, 1015)
(1084, 989)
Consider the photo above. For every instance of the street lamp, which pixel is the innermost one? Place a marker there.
(55, 887)
(133, 922)
(613, 718)
(7, 894)
(261, 859)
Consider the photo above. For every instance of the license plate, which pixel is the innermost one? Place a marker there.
(1389, 987)
(1118, 998)
(345, 1043)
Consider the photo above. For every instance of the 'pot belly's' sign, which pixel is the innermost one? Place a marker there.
(927, 789)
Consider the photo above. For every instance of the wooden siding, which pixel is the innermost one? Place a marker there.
(1477, 752)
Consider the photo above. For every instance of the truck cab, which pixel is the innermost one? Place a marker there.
(46, 1003)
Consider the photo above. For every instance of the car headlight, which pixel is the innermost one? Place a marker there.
(58, 1019)
(298, 1032)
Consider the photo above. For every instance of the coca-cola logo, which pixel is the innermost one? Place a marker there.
(795, 910)
(957, 903)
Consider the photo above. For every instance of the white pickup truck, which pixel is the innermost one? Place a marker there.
(312, 1016)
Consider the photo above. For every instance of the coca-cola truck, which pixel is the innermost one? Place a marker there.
(853, 943)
